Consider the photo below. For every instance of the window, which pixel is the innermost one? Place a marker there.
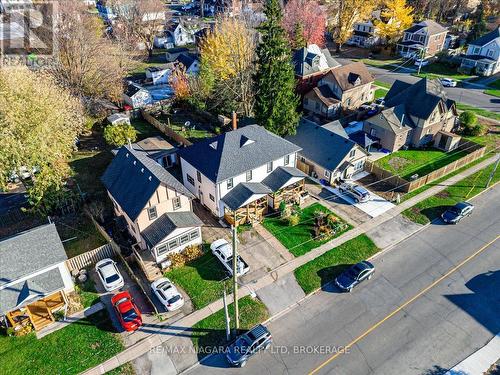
(211, 197)
(176, 203)
(229, 184)
(490, 53)
(373, 132)
(327, 174)
(160, 250)
(184, 239)
(287, 160)
(152, 214)
(194, 234)
(190, 179)
(173, 244)
(352, 153)
(269, 167)
(249, 175)
(476, 50)
(198, 176)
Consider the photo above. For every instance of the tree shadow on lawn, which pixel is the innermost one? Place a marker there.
(100, 320)
(328, 275)
(209, 268)
(433, 213)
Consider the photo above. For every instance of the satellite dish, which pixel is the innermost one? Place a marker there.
(187, 124)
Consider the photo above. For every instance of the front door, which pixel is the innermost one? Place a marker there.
(200, 196)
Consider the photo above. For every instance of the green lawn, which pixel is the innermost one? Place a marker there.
(192, 135)
(145, 129)
(478, 111)
(388, 64)
(406, 163)
(298, 239)
(439, 70)
(495, 88)
(71, 350)
(326, 267)
(87, 292)
(201, 279)
(383, 84)
(430, 208)
(380, 93)
(211, 331)
(87, 168)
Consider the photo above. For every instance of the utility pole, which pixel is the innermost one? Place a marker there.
(421, 60)
(235, 278)
(226, 314)
(493, 171)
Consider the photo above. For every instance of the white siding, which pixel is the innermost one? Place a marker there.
(176, 234)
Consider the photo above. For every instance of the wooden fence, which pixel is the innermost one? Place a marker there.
(91, 257)
(475, 151)
(165, 129)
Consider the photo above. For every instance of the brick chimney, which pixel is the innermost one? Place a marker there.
(235, 121)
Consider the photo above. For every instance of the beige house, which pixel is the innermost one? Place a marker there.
(345, 87)
(154, 204)
(413, 116)
(327, 152)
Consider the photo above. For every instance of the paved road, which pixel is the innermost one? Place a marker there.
(469, 95)
(437, 330)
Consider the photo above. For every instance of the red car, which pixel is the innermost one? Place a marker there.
(127, 311)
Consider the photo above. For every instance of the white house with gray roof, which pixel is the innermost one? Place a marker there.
(483, 55)
(240, 173)
(34, 278)
(154, 204)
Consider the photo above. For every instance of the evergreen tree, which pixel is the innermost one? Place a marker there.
(298, 36)
(276, 103)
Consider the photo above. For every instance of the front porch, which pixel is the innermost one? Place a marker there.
(251, 213)
(38, 314)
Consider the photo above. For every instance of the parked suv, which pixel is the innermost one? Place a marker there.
(358, 193)
(248, 344)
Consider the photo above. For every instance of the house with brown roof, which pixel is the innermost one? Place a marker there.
(422, 40)
(345, 87)
(414, 115)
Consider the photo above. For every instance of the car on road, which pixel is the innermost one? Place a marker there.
(348, 279)
(456, 213)
(167, 294)
(110, 276)
(422, 62)
(127, 312)
(448, 82)
(248, 344)
(358, 193)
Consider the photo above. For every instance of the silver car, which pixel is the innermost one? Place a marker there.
(167, 294)
(109, 274)
(358, 193)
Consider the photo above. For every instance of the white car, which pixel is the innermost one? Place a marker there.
(422, 62)
(358, 193)
(168, 294)
(109, 274)
(448, 82)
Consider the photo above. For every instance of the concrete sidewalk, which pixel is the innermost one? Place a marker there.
(162, 332)
(480, 361)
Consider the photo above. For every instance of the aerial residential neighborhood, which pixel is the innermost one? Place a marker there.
(262, 186)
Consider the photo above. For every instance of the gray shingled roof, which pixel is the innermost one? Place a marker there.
(20, 294)
(167, 223)
(280, 177)
(347, 75)
(235, 152)
(321, 145)
(303, 61)
(487, 38)
(432, 27)
(242, 192)
(363, 139)
(419, 99)
(132, 178)
(30, 251)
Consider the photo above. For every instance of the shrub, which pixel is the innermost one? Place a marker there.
(468, 118)
(177, 259)
(119, 134)
(217, 130)
(192, 252)
(293, 220)
(475, 130)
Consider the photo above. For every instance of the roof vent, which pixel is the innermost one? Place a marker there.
(126, 154)
(135, 162)
(245, 141)
(142, 170)
(214, 145)
(150, 178)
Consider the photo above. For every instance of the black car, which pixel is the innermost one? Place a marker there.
(456, 213)
(248, 344)
(354, 275)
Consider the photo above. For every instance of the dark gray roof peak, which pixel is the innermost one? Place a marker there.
(233, 153)
(132, 177)
(487, 38)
